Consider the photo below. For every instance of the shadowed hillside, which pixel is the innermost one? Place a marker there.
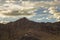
(17, 30)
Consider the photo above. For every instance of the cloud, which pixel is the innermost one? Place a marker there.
(45, 11)
(27, 9)
(38, 19)
(4, 22)
(55, 13)
(15, 10)
(12, 12)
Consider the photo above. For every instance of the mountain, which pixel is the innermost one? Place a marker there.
(15, 30)
(24, 22)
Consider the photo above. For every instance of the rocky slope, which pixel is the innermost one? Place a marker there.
(43, 31)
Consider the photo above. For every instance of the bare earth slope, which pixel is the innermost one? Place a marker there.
(42, 31)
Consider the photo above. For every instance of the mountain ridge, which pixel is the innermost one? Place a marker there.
(15, 30)
(24, 19)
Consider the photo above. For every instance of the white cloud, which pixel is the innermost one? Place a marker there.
(27, 9)
(55, 13)
(14, 11)
(45, 11)
(47, 18)
(4, 22)
(10, 8)
(39, 19)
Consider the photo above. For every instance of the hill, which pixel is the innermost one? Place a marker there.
(43, 31)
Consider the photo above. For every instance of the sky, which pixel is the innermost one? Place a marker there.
(35, 10)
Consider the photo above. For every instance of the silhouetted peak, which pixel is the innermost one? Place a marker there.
(22, 20)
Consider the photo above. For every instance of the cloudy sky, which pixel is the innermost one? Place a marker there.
(35, 10)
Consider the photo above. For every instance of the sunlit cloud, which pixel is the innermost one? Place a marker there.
(10, 9)
(55, 13)
(45, 11)
(13, 9)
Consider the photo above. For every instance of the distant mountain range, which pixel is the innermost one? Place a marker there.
(15, 30)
